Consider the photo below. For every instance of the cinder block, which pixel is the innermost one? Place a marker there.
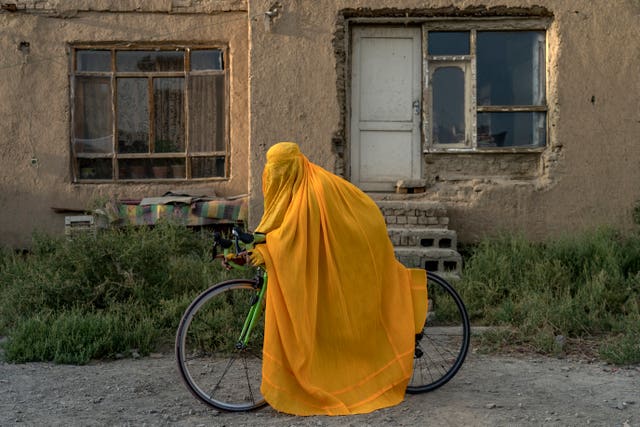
(439, 238)
(446, 261)
(79, 224)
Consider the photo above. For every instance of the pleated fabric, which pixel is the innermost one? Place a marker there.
(341, 311)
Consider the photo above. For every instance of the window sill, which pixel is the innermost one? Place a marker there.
(489, 150)
(148, 180)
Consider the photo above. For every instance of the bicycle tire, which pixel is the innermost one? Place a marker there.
(212, 367)
(442, 345)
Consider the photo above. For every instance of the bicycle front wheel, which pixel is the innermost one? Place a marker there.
(442, 345)
(216, 368)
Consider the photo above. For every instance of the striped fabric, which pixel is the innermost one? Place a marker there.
(198, 213)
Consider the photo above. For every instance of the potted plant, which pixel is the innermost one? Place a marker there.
(178, 170)
(160, 169)
(137, 171)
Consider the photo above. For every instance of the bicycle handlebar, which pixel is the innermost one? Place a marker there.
(241, 242)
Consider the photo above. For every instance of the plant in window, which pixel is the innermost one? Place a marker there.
(160, 168)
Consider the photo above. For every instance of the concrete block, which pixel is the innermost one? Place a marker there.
(439, 238)
(436, 260)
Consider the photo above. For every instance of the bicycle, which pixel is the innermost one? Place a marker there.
(219, 338)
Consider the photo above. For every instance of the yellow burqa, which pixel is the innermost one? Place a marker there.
(340, 318)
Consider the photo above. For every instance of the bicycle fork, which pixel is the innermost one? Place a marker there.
(254, 312)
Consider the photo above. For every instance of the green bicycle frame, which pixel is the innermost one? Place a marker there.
(256, 305)
(254, 312)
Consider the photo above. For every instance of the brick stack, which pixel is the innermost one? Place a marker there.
(419, 232)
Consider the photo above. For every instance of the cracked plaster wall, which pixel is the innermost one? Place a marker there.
(292, 85)
(34, 88)
(588, 174)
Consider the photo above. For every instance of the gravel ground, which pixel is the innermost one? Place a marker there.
(488, 391)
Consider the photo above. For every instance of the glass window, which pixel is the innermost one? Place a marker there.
(93, 60)
(142, 98)
(92, 116)
(510, 67)
(168, 97)
(503, 102)
(133, 115)
(448, 105)
(516, 129)
(207, 166)
(206, 59)
(449, 43)
(146, 61)
(97, 168)
(206, 107)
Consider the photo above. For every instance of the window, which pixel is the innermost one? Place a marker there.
(149, 113)
(485, 88)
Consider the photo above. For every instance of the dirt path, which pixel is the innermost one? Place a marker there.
(488, 391)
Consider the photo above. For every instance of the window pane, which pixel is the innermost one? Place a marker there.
(160, 168)
(134, 169)
(206, 60)
(448, 105)
(168, 101)
(511, 67)
(94, 168)
(207, 113)
(92, 115)
(512, 129)
(177, 168)
(448, 43)
(204, 167)
(150, 60)
(133, 115)
(93, 60)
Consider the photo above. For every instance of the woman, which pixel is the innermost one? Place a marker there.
(340, 320)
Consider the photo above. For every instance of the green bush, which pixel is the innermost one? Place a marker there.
(94, 297)
(576, 287)
(71, 300)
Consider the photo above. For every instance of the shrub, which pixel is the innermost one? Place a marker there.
(96, 296)
(74, 300)
(77, 337)
(576, 287)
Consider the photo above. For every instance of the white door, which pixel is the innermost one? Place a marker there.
(385, 106)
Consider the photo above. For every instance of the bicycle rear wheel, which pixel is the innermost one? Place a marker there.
(214, 366)
(442, 345)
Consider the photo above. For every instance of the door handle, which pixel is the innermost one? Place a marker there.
(416, 107)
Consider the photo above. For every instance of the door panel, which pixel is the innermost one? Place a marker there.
(385, 106)
(383, 154)
(386, 70)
